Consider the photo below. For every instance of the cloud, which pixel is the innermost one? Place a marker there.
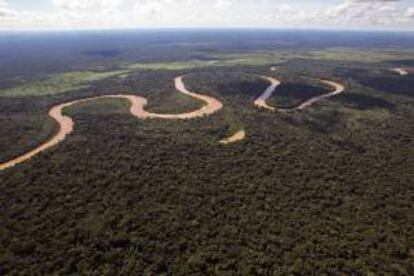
(348, 13)
(66, 14)
(138, 13)
(154, 7)
(84, 8)
(410, 12)
(5, 11)
(167, 13)
(224, 4)
(364, 12)
(148, 7)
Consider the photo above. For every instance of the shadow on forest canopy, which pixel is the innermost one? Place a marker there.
(364, 102)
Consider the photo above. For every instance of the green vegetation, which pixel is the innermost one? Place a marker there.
(277, 57)
(329, 54)
(23, 130)
(325, 191)
(100, 106)
(216, 61)
(362, 55)
(175, 65)
(175, 102)
(258, 58)
(58, 84)
(78, 80)
(294, 91)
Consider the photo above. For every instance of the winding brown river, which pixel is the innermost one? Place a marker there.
(66, 124)
(274, 83)
(137, 109)
(261, 101)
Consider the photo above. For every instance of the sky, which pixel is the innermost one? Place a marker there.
(114, 14)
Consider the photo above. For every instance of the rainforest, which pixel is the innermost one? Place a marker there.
(206, 152)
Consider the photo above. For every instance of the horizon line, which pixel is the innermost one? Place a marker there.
(172, 28)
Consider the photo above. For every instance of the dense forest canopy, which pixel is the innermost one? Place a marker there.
(326, 190)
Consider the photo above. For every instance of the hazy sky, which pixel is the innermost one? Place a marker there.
(91, 14)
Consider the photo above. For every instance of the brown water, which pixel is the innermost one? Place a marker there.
(66, 124)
